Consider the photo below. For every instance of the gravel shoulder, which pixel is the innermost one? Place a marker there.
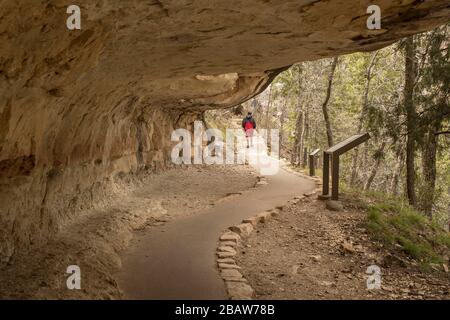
(96, 239)
(308, 252)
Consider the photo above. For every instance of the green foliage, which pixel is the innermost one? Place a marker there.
(368, 96)
(397, 224)
(433, 85)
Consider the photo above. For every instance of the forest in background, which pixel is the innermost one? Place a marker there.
(399, 94)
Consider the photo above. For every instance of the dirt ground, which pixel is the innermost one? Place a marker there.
(308, 252)
(96, 238)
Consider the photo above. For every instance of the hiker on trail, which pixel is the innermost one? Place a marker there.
(249, 124)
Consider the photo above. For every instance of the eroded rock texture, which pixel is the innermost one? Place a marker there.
(78, 108)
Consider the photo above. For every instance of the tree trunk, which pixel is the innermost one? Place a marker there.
(327, 99)
(365, 103)
(298, 129)
(448, 214)
(302, 140)
(282, 120)
(296, 152)
(429, 168)
(268, 108)
(410, 76)
(378, 156)
(305, 137)
(397, 170)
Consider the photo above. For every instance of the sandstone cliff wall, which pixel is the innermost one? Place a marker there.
(79, 109)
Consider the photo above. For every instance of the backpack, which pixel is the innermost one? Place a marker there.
(248, 124)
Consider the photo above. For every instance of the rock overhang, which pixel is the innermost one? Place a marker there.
(161, 46)
(78, 107)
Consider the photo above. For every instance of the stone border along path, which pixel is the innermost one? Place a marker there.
(237, 286)
(178, 260)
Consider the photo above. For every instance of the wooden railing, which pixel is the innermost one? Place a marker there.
(313, 156)
(333, 154)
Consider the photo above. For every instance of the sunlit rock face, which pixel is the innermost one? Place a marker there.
(78, 108)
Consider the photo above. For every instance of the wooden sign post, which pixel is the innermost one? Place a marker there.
(312, 162)
(333, 154)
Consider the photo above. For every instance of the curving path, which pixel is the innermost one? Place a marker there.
(179, 262)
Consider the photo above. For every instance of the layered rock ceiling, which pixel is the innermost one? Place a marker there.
(78, 108)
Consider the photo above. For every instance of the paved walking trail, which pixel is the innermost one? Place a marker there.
(178, 260)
